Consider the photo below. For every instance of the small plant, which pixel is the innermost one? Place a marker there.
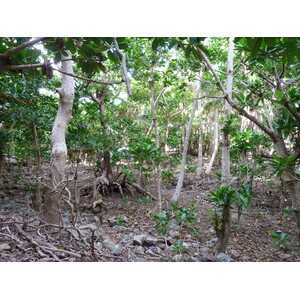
(281, 240)
(125, 199)
(244, 198)
(121, 221)
(287, 211)
(185, 215)
(218, 177)
(162, 222)
(178, 248)
(225, 195)
(144, 201)
(166, 175)
(191, 168)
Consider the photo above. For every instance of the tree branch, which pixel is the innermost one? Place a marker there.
(12, 51)
(123, 57)
(22, 67)
(89, 79)
(291, 82)
(240, 110)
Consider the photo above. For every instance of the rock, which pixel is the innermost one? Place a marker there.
(136, 230)
(155, 249)
(204, 257)
(99, 245)
(195, 245)
(174, 234)
(112, 221)
(114, 248)
(149, 251)
(161, 245)
(4, 247)
(211, 243)
(140, 250)
(222, 257)
(178, 257)
(138, 240)
(233, 253)
(131, 255)
(210, 230)
(186, 245)
(45, 259)
(149, 241)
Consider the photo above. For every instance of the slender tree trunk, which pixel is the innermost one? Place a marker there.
(37, 199)
(155, 125)
(178, 188)
(223, 237)
(55, 186)
(105, 165)
(228, 109)
(199, 170)
(216, 143)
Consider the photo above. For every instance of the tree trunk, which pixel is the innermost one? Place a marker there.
(55, 186)
(105, 161)
(224, 234)
(155, 125)
(37, 198)
(199, 170)
(177, 191)
(216, 143)
(228, 109)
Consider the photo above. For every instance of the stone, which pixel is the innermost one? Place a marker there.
(222, 257)
(4, 247)
(149, 241)
(178, 257)
(174, 234)
(112, 221)
(99, 245)
(140, 250)
(149, 251)
(233, 253)
(161, 245)
(186, 245)
(155, 249)
(204, 257)
(136, 230)
(114, 248)
(211, 243)
(138, 240)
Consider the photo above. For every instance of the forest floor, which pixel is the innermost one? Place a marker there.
(124, 229)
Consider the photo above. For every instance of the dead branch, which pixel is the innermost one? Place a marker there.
(142, 190)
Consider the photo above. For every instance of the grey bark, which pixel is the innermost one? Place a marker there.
(56, 185)
(178, 188)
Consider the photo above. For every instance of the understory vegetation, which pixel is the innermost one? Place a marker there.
(149, 149)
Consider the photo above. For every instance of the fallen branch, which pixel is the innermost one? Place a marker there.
(142, 190)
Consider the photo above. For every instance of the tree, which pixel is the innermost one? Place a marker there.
(55, 186)
(280, 88)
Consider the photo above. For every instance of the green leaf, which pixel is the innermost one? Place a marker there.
(256, 45)
(279, 94)
(155, 44)
(113, 56)
(70, 45)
